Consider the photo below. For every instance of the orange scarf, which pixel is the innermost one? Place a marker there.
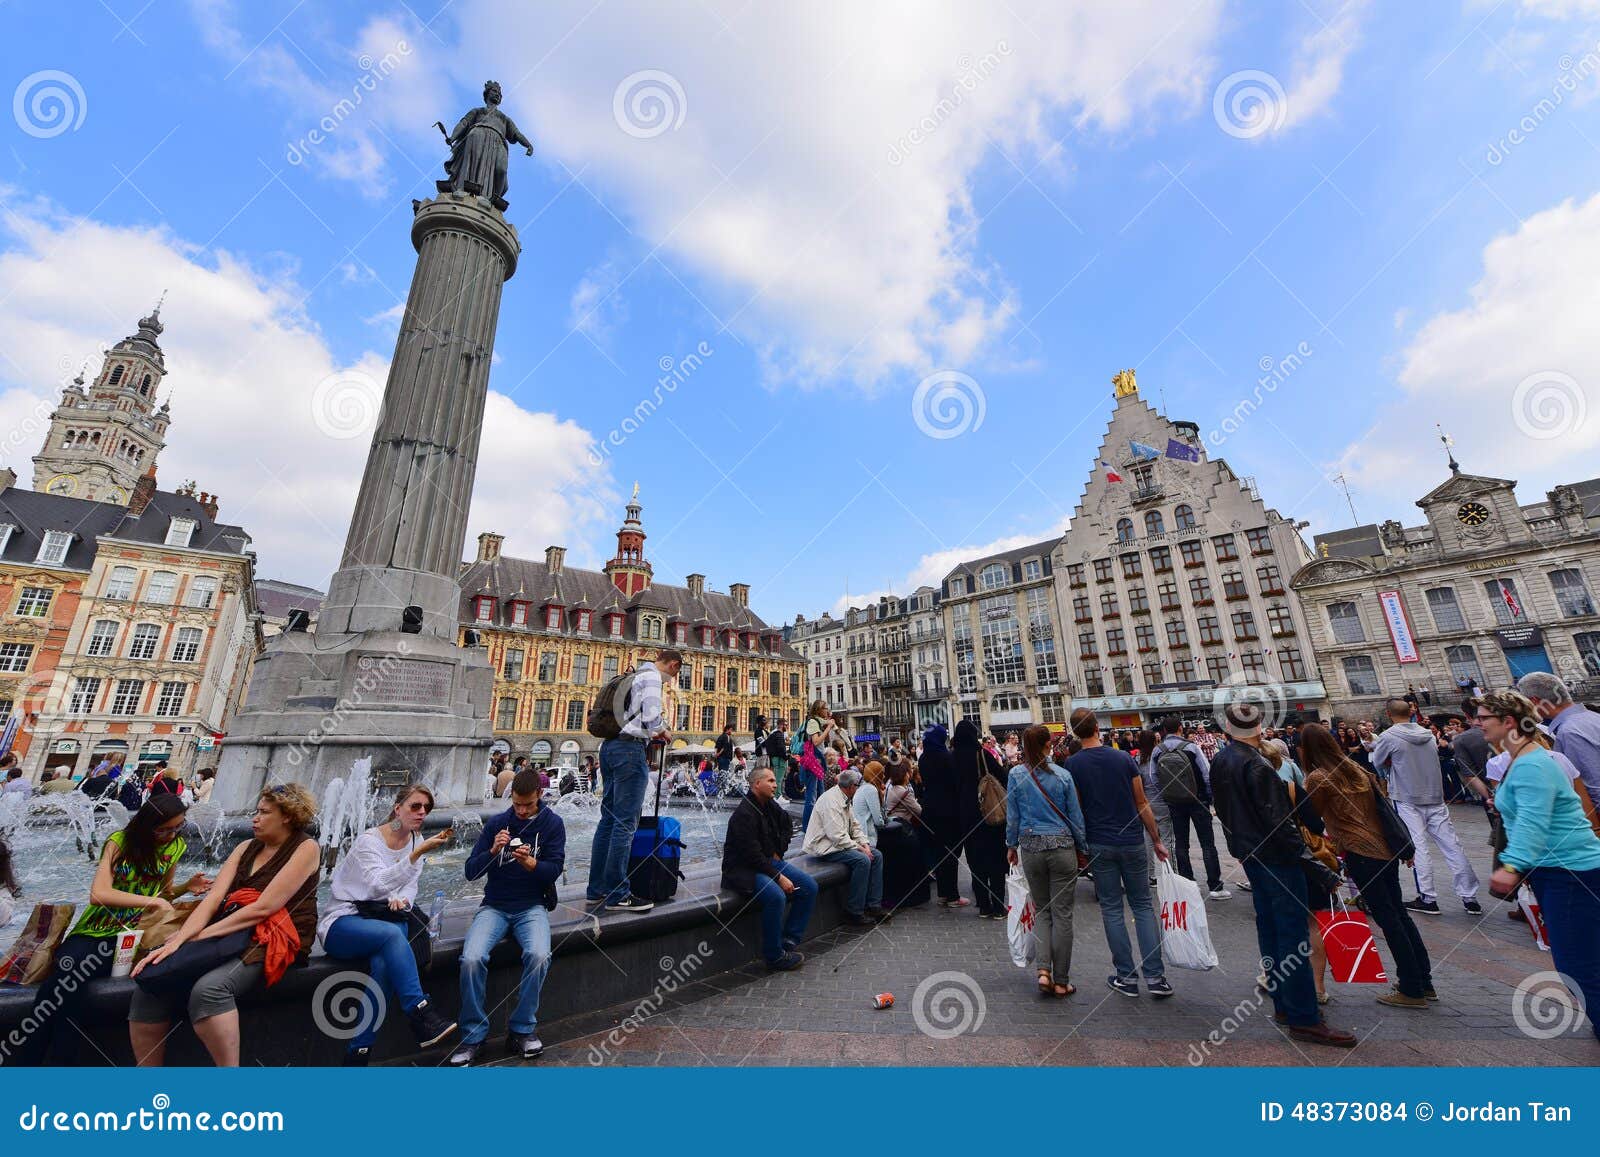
(277, 933)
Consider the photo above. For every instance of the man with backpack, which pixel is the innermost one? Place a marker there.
(627, 717)
(1183, 780)
(725, 749)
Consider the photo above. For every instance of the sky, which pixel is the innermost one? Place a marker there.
(840, 286)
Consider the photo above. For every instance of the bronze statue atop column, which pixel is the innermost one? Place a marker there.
(478, 150)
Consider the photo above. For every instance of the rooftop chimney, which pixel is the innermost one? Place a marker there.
(208, 503)
(697, 586)
(143, 491)
(489, 544)
(740, 593)
(8, 478)
(554, 558)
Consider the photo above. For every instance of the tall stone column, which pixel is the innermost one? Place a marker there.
(413, 700)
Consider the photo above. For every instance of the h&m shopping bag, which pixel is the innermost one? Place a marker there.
(1185, 932)
(1529, 903)
(1352, 952)
(34, 952)
(1019, 918)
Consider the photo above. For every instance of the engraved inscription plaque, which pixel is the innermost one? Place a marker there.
(387, 679)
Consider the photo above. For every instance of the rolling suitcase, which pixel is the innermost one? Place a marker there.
(655, 860)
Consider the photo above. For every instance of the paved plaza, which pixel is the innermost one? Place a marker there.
(823, 1014)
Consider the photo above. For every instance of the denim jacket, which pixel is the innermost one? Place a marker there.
(1027, 813)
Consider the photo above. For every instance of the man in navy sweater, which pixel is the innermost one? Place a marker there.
(522, 851)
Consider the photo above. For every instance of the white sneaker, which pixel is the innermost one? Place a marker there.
(1219, 894)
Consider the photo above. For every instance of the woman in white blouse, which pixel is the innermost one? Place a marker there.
(374, 887)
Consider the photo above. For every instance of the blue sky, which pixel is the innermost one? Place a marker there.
(836, 204)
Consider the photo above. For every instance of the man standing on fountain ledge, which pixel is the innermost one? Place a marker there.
(522, 850)
(625, 773)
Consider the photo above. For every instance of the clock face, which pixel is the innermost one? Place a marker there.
(62, 484)
(1472, 513)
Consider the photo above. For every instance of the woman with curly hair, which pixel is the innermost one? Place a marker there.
(263, 906)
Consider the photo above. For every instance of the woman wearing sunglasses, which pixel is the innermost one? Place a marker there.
(374, 887)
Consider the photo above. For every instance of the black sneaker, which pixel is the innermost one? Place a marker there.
(524, 1045)
(1426, 907)
(788, 962)
(465, 1054)
(858, 919)
(1159, 988)
(1473, 907)
(630, 904)
(1126, 987)
(357, 1058)
(428, 1026)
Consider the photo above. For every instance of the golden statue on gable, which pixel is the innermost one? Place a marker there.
(1125, 383)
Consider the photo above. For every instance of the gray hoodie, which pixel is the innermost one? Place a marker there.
(1409, 754)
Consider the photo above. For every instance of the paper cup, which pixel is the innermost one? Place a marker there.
(127, 946)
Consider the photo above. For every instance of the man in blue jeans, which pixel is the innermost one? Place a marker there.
(522, 851)
(1257, 817)
(1117, 819)
(625, 772)
(753, 865)
(835, 835)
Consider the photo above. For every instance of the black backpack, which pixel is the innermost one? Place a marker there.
(1175, 776)
(604, 720)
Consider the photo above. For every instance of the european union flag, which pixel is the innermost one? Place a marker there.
(1143, 452)
(1182, 451)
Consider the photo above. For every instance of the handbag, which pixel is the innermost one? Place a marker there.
(1395, 832)
(416, 928)
(1351, 949)
(34, 953)
(191, 960)
(991, 799)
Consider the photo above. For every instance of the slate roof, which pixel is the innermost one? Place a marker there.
(276, 598)
(522, 578)
(33, 513)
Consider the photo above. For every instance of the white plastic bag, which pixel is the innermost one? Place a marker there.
(1019, 917)
(1185, 934)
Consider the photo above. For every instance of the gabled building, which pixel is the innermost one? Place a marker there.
(556, 634)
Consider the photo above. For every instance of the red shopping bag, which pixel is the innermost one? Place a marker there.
(1352, 952)
(1535, 916)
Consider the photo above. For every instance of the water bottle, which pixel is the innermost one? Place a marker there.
(436, 915)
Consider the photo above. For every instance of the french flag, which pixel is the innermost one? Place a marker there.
(1111, 475)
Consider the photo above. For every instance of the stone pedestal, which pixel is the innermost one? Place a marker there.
(361, 686)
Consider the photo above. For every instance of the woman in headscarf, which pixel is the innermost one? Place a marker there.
(985, 840)
(941, 815)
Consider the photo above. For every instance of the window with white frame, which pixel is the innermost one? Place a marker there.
(1032, 570)
(142, 643)
(85, 690)
(53, 547)
(126, 695)
(202, 592)
(6, 531)
(34, 603)
(552, 618)
(120, 583)
(483, 609)
(14, 657)
(519, 614)
(163, 586)
(172, 698)
(103, 637)
(180, 531)
(996, 574)
(186, 648)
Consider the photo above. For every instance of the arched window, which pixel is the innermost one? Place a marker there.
(1153, 523)
(116, 375)
(996, 574)
(162, 588)
(144, 386)
(1124, 530)
(1184, 517)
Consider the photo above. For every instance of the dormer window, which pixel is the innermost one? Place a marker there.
(519, 613)
(680, 633)
(552, 618)
(705, 636)
(616, 625)
(583, 621)
(483, 608)
(53, 549)
(180, 531)
(6, 531)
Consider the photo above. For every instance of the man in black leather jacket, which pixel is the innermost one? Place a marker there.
(1253, 805)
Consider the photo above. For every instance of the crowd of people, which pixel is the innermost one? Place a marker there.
(109, 779)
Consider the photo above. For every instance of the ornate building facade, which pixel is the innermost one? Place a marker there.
(1484, 591)
(556, 634)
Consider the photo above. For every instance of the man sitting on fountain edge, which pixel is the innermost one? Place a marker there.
(752, 864)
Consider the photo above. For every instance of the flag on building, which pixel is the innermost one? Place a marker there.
(1182, 451)
(1142, 451)
(1111, 475)
(1511, 599)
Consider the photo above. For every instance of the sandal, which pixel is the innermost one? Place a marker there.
(958, 902)
(1062, 991)
(1045, 987)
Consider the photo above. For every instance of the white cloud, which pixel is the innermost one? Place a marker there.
(778, 185)
(1318, 70)
(597, 307)
(1530, 320)
(245, 364)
